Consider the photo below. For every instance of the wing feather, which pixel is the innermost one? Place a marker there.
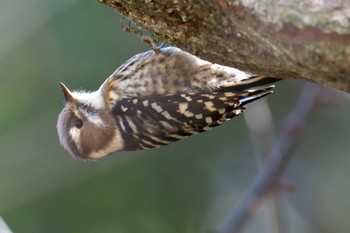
(153, 121)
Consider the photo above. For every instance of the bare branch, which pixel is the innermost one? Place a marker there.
(260, 123)
(276, 163)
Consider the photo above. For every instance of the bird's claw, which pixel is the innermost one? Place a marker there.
(148, 40)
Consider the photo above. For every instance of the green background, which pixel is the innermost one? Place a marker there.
(188, 186)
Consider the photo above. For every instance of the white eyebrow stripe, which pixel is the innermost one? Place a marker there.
(95, 119)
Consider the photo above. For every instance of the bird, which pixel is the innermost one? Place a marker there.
(153, 99)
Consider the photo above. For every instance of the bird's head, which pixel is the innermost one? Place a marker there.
(85, 126)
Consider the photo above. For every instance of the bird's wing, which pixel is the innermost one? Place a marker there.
(158, 120)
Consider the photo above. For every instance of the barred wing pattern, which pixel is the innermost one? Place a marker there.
(158, 120)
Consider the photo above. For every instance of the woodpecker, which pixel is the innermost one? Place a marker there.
(153, 99)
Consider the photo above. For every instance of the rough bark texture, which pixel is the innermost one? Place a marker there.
(288, 39)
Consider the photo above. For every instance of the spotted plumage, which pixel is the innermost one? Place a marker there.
(154, 99)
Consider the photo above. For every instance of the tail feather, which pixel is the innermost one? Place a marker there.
(247, 84)
(256, 94)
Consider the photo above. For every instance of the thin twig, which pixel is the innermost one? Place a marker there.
(259, 120)
(260, 124)
(276, 163)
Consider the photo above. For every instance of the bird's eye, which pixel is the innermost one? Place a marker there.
(78, 123)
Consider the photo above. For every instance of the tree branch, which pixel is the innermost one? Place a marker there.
(285, 39)
(259, 120)
(276, 162)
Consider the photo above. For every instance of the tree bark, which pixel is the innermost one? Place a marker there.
(309, 39)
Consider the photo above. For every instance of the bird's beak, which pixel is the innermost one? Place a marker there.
(67, 93)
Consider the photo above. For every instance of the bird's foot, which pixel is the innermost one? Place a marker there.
(148, 40)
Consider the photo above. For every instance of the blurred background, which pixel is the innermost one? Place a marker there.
(188, 186)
